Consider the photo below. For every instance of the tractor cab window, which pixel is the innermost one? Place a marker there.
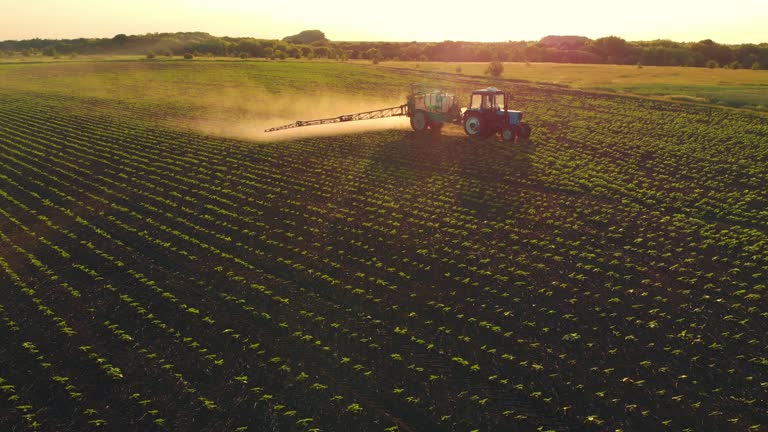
(487, 101)
(494, 102)
(476, 101)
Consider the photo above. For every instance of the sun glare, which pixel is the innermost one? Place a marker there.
(396, 20)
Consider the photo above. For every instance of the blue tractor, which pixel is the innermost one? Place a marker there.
(488, 113)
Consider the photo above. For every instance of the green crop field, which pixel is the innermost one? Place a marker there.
(730, 87)
(158, 274)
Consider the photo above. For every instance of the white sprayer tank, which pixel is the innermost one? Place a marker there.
(434, 101)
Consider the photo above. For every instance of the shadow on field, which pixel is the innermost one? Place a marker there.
(477, 178)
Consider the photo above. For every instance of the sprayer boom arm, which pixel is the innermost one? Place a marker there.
(368, 115)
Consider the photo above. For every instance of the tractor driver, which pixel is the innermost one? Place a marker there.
(491, 103)
(488, 102)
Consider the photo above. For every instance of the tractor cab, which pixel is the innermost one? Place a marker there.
(490, 99)
(488, 113)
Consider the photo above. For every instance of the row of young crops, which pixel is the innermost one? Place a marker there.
(606, 276)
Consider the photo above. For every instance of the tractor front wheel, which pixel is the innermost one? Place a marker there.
(419, 121)
(474, 127)
(525, 131)
(509, 134)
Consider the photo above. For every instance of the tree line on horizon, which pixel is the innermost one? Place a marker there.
(313, 44)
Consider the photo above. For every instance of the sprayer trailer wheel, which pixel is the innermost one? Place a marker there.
(419, 121)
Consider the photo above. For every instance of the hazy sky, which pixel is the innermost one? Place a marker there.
(732, 21)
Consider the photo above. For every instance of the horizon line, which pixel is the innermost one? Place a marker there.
(377, 41)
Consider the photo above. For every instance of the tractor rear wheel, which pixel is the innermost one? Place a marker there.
(419, 121)
(509, 134)
(525, 131)
(474, 126)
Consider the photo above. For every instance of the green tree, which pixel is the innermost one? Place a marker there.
(371, 53)
(281, 46)
(612, 49)
(412, 51)
(120, 39)
(495, 69)
(483, 53)
(50, 51)
(249, 46)
(712, 64)
(307, 37)
(293, 51)
(713, 51)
